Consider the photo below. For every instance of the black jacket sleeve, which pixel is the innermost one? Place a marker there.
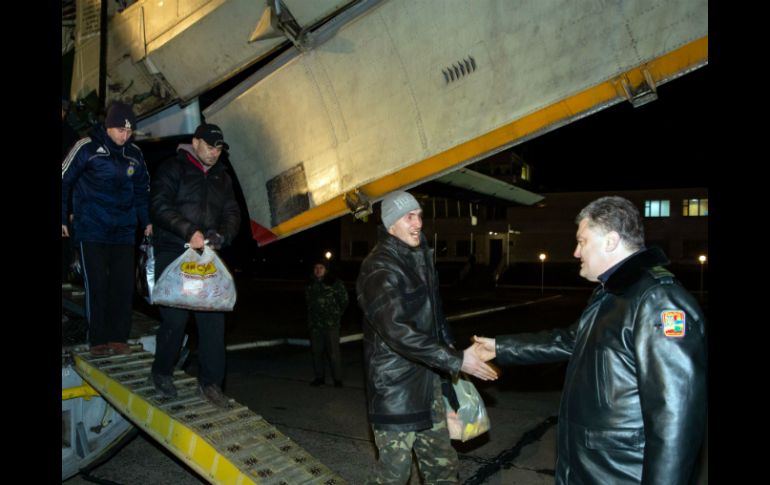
(671, 374)
(142, 191)
(536, 348)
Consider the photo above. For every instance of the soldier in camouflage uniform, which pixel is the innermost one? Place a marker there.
(408, 350)
(326, 299)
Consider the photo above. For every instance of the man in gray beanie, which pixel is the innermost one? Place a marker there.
(408, 349)
(395, 205)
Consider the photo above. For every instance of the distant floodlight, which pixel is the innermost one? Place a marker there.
(542, 257)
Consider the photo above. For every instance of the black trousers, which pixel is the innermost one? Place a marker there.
(66, 259)
(108, 276)
(168, 341)
(325, 345)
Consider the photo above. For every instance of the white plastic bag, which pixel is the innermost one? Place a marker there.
(199, 282)
(471, 418)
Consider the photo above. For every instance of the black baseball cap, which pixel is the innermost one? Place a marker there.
(211, 134)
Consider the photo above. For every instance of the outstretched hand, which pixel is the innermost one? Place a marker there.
(476, 367)
(484, 348)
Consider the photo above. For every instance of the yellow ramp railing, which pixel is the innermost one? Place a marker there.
(232, 446)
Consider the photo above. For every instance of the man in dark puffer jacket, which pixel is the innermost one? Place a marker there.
(192, 200)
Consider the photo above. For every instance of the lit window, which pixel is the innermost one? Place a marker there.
(524, 171)
(695, 207)
(656, 208)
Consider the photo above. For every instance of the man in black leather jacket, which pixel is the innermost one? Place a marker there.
(633, 408)
(408, 347)
(192, 201)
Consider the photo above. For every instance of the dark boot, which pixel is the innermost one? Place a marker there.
(213, 394)
(164, 385)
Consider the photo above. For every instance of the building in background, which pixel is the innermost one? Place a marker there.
(500, 237)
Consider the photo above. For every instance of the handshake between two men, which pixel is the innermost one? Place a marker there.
(476, 356)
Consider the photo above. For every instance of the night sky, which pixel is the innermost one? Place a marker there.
(663, 144)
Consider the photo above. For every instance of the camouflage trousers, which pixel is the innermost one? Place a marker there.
(436, 458)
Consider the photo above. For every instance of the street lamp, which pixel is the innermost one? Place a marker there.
(702, 259)
(542, 270)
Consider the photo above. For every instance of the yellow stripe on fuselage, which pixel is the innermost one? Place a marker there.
(666, 67)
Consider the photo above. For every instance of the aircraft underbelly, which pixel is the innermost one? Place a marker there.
(411, 90)
(163, 52)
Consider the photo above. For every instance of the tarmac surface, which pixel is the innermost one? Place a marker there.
(330, 423)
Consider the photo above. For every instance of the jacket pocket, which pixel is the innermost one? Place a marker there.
(395, 371)
(614, 439)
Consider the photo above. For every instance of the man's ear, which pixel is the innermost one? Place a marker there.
(612, 241)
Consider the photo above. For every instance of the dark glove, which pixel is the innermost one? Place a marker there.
(215, 239)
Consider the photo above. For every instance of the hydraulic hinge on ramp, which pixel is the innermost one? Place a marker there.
(225, 446)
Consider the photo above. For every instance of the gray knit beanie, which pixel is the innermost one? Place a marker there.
(395, 205)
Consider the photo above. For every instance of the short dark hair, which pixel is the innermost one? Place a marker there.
(617, 214)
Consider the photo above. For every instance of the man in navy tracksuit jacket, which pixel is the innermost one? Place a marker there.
(110, 187)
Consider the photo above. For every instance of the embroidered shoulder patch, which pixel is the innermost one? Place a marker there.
(673, 323)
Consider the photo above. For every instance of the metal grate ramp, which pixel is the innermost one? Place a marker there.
(225, 446)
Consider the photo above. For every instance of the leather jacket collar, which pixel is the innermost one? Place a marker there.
(629, 272)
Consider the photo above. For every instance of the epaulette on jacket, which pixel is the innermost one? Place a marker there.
(662, 274)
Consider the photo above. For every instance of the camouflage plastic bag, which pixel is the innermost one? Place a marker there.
(196, 281)
(468, 417)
